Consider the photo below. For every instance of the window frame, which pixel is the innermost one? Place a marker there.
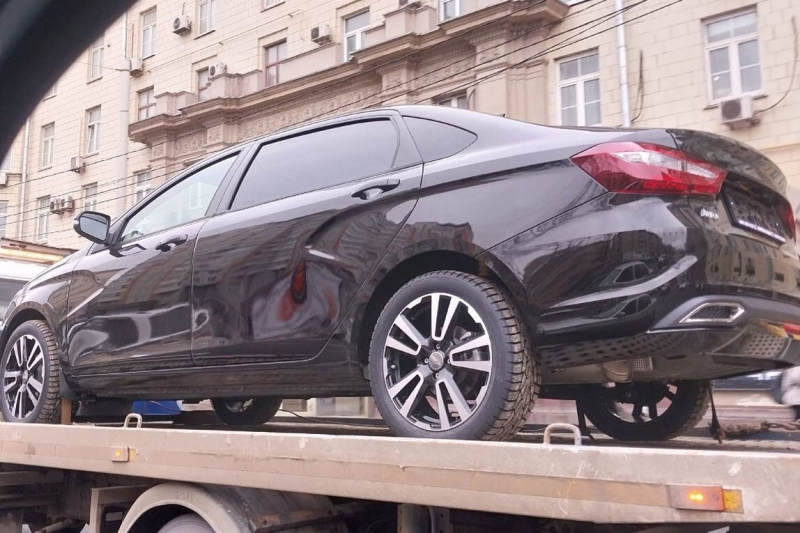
(213, 206)
(3, 218)
(452, 100)
(211, 6)
(578, 81)
(52, 91)
(5, 163)
(89, 200)
(268, 4)
(442, 10)
(48, 146)
(149, 108)
(146, 190)
(42, 208)
(358, 33)
(201, 90)
(98, 50)
(152, 33)
(732, 46)
(93, 131)
(275, 64)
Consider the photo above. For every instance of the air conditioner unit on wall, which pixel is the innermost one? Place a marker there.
(137, 66)
(216, 70)
(181, 24)
(737, 113)
(321, 34)
(76, 164)
(62, 205)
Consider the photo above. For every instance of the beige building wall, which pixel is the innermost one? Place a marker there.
(499, 57)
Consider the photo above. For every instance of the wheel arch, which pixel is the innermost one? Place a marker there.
(410, 265)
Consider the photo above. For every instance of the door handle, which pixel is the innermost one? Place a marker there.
(169, 244)
(372, 189)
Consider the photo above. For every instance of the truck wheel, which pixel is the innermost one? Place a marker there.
(646, 411)
(449, 358)
(188, 523)
(245, 412)
(30, 370)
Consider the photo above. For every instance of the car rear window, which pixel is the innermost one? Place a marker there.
(316, 160)
(437, 140)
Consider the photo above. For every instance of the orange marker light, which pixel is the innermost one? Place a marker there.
(696, 497)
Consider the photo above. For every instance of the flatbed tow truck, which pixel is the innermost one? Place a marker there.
(329, 475)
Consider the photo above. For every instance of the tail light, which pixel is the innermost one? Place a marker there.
(644, 168)
(787, 215)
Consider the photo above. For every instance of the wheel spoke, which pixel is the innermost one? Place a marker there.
(8, 387)
(36, 357)
(637, 411)
(461, 405)
(408, 328)
(670, 395)
(420, 373)
(32, 395)
(19, 346)
(444, 415)
(35, 384)
(471, 344)
(391, 342)
(16, 409)
(653, 411)
(479, 366)
(448, 318)
(434, 314)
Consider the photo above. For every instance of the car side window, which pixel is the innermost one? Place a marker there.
(184, 202)
(318, 159)
(437, 140)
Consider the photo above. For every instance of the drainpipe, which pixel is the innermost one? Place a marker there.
(622, 52)
(122, 129)
(23, 183)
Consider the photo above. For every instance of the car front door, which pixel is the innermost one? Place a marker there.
(129, 302)
(311, 218)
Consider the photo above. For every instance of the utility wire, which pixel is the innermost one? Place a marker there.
(557, 46)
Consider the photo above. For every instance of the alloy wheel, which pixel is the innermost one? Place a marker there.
(238, 406)
(640, 402)
(437, 361)
(23, 377)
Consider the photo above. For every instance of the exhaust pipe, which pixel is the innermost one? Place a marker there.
(714, 313)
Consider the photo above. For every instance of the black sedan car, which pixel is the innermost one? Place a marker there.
(454, 265)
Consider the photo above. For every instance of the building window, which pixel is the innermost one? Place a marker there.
(96, 59)
(202, 84)
(43, 218)
(143, 185)
(3, 218)
(48, 138)
(90, 197)
(207, 15)
(272, 3)
(274, 56)
(147, 103)
(354, 28)
(51, 92)
(449, 9)
(733, 60)
(93, 131)
(579, 90)
(459, 101)
(148, 33)
(5, 163)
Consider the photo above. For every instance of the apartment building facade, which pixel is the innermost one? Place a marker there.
(174, 81)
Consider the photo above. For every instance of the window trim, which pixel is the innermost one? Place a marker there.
(4, 204)
(732, 45)
(358, 33)
(53, 91)
(93, 129)
(453, 99)
(441, 10)
(201, 90)
(276, 64)
(45, 141)
(211, 19)
(147, 108)
(100, 51)
(148, 189)
(39, 210)
(94, 195)
(578, 81)
(276, 3)
(152, 28)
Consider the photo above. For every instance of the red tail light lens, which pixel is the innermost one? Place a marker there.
(644, 168)
(787, 215)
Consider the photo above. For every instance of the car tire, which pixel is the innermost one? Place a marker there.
(188, 523)
(31, 356)
(249, 412)
(500, 376)
(689, 402)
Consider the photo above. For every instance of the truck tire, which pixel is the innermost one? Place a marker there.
(246, 412)
(689, 401)
(449, 358)
(188, 523)
(31, 366)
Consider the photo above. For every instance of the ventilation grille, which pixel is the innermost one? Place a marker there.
(721, 312)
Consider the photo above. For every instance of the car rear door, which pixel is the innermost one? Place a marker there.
(309, 222)
(129, 303)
